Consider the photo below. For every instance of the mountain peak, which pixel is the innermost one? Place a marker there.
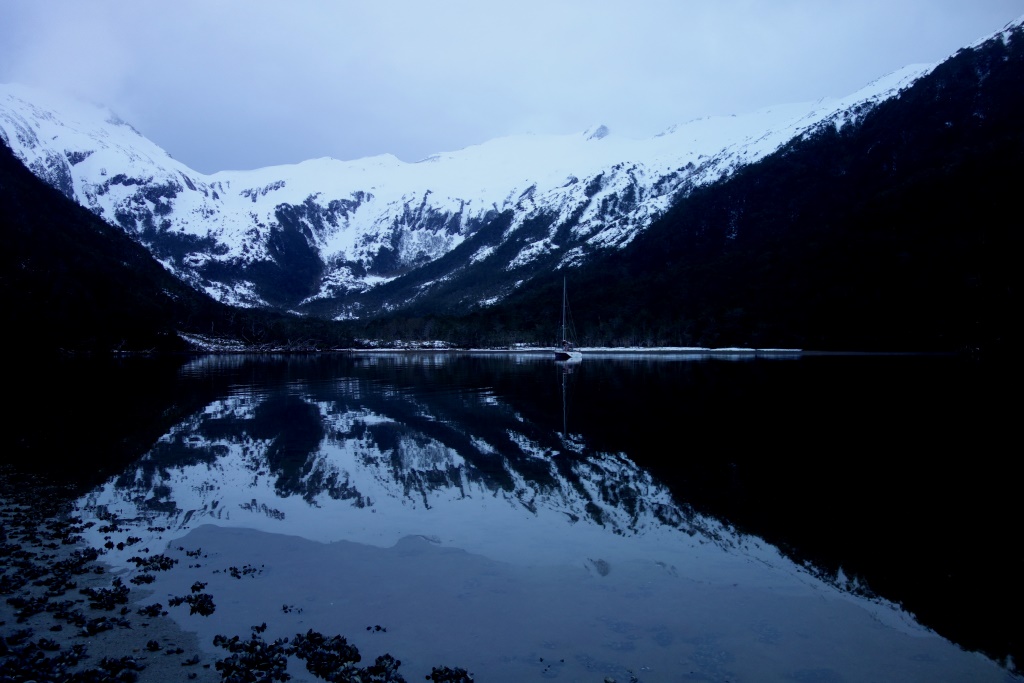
(596, 132)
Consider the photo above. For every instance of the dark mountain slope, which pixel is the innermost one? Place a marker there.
(69, 281)
(898, 232)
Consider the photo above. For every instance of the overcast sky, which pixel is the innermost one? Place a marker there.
(239, 84)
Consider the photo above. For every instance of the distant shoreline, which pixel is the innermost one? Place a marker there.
(596, 352)
(608, 353)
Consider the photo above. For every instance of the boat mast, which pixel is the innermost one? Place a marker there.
(564, 338)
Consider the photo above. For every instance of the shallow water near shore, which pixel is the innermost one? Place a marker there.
(642, 517)
(504, 622)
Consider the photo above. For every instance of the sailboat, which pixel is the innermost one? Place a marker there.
(567, 351)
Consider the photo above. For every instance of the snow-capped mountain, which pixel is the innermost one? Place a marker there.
(321, 235)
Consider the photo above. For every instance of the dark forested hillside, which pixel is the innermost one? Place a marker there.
(69, 281)
(899, 232)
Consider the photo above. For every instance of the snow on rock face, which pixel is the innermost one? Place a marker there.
(322, 229)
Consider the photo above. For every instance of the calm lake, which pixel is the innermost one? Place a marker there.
(650, 517)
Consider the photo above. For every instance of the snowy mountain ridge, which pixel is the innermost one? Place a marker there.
(314, 236)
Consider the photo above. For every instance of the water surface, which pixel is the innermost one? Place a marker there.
(668, 517)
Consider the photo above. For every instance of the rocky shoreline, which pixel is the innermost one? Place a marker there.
(66, 616)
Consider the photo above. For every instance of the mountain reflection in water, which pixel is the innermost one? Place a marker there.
(374, 461)
(370, 471)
